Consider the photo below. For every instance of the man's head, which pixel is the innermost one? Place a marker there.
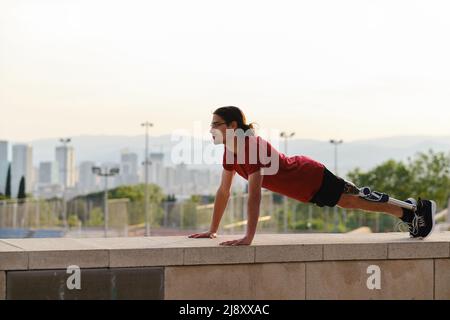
(231, 118)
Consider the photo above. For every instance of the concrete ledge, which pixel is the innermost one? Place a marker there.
(22, 254)
(337, 280)
(58, 253)
(275, 266)
(442, 279)
(269, 281)
(96, 284)
(2, 285)
(12, 258)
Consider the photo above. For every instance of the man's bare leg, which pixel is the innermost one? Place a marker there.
(354, 202)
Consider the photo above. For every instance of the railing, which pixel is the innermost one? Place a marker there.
(84, 217)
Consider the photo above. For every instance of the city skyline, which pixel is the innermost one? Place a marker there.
(166, 173)
(61, 177)
(107, 148)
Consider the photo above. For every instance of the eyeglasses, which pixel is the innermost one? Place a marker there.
(216, 124)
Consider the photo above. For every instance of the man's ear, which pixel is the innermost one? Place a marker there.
(233, 125)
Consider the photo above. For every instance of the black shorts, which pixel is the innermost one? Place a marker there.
(330, 190)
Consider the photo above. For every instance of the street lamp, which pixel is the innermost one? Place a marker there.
(65, 141)
(64, 171)
(336, 143)
(106, 173)
(146, 163)
(286, 136)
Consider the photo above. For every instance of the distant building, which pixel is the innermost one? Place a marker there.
(21, 166)
(169, 180)
(4, 164)
(128, 168)
(182, 179)
(156, 168)
(65, 157)
(47, 191)
(48, 173)
(87, 180)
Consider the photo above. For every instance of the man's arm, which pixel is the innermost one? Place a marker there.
(254, 201)
(220, 204)
(222, 196)
(253, 204)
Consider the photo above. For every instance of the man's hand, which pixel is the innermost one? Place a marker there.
(246, 241)
(208, 234)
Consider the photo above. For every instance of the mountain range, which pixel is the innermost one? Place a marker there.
(358, 153)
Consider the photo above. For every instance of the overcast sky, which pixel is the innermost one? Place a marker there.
(345, 69)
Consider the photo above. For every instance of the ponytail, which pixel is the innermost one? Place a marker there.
(230, 114)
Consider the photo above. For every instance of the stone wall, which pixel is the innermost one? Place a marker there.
(275, 266)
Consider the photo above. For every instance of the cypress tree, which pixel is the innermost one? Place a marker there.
(8, 183)
(21, 194)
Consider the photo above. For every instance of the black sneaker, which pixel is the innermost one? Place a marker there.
(407, 218)
(423, 222)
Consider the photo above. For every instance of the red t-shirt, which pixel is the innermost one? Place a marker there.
(297, 177)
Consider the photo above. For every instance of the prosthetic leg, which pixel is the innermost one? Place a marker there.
(374, 196)
(420, 224)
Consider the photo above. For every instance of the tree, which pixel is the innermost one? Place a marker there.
(171, 198)
(391, 177)
(95, 218)
(135, 193)
(22, 194)
(432, 176)
(8, 183)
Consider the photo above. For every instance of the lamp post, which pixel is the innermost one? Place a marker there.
(336, 143)
(106, 173)
(146, 163)
(286, 136)
(64, 172)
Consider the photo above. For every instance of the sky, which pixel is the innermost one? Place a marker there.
(349, 69)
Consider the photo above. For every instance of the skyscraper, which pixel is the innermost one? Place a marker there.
(169, 180)
(182, 178)
(156, 169)
(21, 166)
(87, 179)
(65, 158)
(3, 165)
(48, 172)
(129, 168)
